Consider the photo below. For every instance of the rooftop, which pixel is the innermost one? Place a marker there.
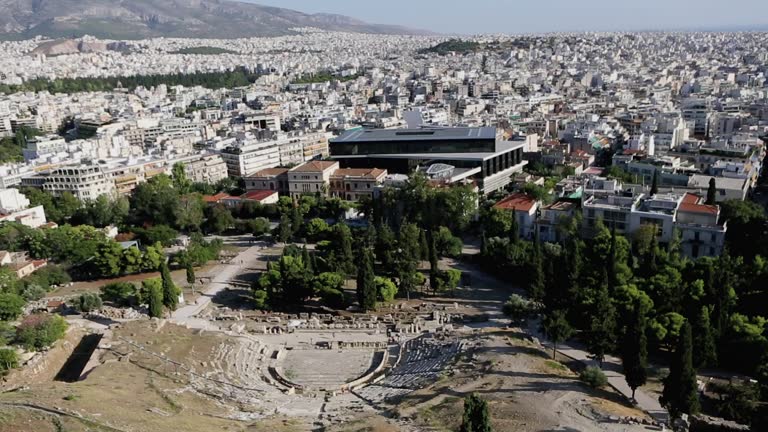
(315, 166)
(269, 172)
(372, 173)
(462, 133)
(518, 201)
(259, 195)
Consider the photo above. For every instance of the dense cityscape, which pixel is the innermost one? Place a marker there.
(338, 231)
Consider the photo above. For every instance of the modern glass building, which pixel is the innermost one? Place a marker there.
(476, 153)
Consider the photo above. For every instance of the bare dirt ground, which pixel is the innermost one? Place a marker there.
(179, 278)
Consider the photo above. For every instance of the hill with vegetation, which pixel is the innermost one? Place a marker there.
(139, 19)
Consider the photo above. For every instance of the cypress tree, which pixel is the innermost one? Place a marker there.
(602, 329)
(655, 183)
(366, 285)
(297, 220)
(170, 292)
(704, 348)
(680, 394)
(307, 260)
(514, 229)
(634, 356)
(190, 270)
(434, 269)
(712, 192)
(284, 230)
(425, 246)
(610, 265)
(155, 301)
(537, 286)
(476, 415)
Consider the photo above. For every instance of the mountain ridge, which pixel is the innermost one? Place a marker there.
(138, 19)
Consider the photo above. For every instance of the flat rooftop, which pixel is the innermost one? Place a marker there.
(442, 134)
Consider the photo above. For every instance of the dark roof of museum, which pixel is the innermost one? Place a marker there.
(427, 134)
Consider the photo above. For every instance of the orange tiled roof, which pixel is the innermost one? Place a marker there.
(269, 172)
(372, 173)
(692, 204)
(315, 166)
(518, 201)
(258, 195)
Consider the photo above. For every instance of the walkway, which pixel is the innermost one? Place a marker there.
(224, 273)
(611, 365)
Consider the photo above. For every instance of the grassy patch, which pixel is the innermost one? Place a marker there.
(71, 397)
(555, 365)
(167, 399)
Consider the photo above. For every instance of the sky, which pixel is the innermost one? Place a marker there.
(541, 16)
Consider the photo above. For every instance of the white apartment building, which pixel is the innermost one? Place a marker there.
(14, 207)
(209, 169)
(262, 121)
(250, 157)
(43, 146)
(85, 182)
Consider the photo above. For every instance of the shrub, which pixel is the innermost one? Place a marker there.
(11, 306)
(33, 291)
(89, 302)
(8, 360)
(593, 377)
(261, 299)
(40, 331)
(119, 293)
(386, 288)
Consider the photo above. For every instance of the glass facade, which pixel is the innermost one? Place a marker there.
(412, 146)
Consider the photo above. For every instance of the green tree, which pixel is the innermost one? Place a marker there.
(219, 219)
(170, 292)
(712, 192)
(366, 283)
(156, 234)
(9, 359)
(107, 260)
(386, 288)
(190, 273)
(330, 288)
(704, 348)
(386, 246)
(557, 328)
(316, 229)
(189, 212)
(601, 337)
(680, 395)
(655, 183)
(537, 286)
(9, 282)
(284, 231)
(297, 219)
(154, 298)
(180, 180)
(446, 244)
(634, 350)
(342, 258)
(11, 306)
(407, 259)
(119, 293)
(476, 416)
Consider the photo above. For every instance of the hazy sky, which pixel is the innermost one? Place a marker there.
(524, 16)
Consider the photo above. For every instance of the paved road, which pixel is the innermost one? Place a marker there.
(223, 274)
(611, 365)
